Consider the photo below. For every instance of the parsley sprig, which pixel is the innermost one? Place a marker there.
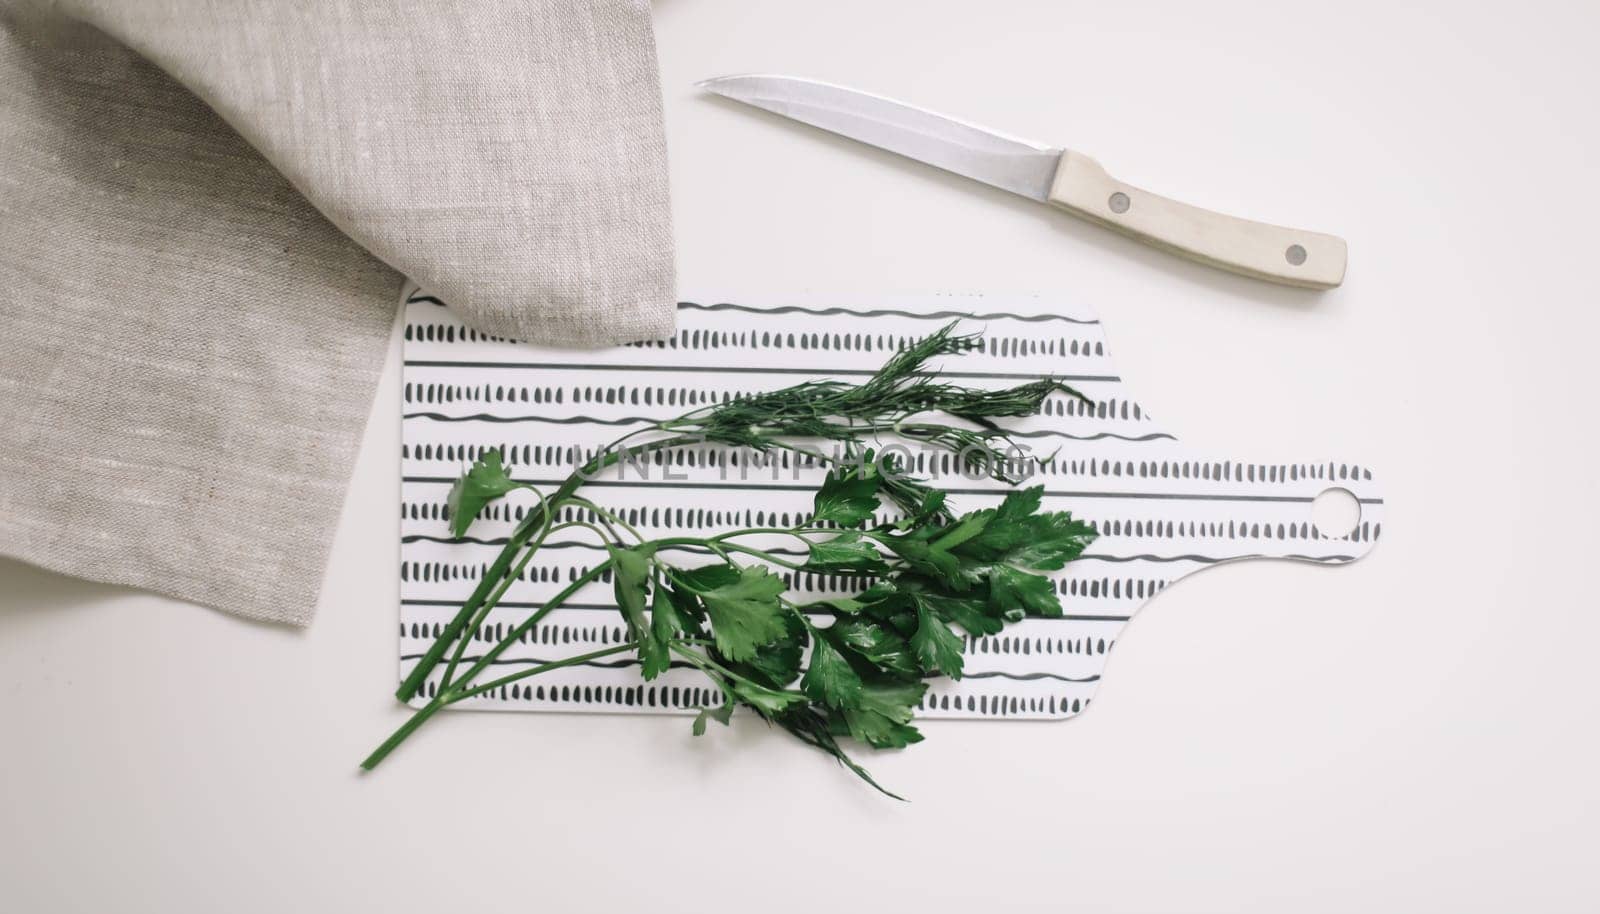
(824, 670)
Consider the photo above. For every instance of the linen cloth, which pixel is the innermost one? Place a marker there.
(206, 208)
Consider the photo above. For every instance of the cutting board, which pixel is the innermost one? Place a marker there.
(1164, 510)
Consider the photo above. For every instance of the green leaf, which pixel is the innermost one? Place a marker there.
(931, 505)
(938, 648)
(884, 716)
(654, 658)
(720, 714)
(847, 551)
(630, 578)
(1020, 503)
(969, 612)
(1012, 589)
(878, 731)
(778, 664)
(879, 591)
(687, 609)
(707, 577)
(929, 559)
(817, 729)
(1009, 525)
(767, 702)
(932, 551)
(1053, 540)
(878, 645)
(847, 497)
(745, 613)
(829, 678)
(968, 526)
(1018, 535)
(655, 652)
(630, 573)
(483, 483)
(895, 700)
(665, 620)
(846, 605)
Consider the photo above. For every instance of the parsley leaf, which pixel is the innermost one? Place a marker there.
(829, 678)
(1019, 535)
(1010, 525)
(707, 577)
(630, 573)
(817, 728)
(483, 483)
(928, 559)
(883, 719)
(655, 651)
(778, 664)
(745, 613)
(847, 605)
(847, 551)
(971, 613)
(1054, 540)
(1011, 589)
(879, 646)
(721, 714)
(683, 612)
(767, 702)
(847, 497)
(932, 550)
(938, 648)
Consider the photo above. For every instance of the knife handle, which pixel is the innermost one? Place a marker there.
(1271, 252)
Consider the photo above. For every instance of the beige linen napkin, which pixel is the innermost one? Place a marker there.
(206, 207)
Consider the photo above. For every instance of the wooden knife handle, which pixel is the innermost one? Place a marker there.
(1271, 252)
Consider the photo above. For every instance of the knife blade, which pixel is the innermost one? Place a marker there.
(1054, 175)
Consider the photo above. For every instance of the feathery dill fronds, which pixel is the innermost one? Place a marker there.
(903, 388)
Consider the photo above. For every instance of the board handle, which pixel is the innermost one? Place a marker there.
(1288, 527)
(1274, 253)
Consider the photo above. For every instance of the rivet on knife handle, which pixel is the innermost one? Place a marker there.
(1256, 249)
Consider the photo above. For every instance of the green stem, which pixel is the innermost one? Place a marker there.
(447, 698)
(762, 554)
(532, 620)
(525, 531)
(712, 668)
(471, 629)
(399, 736)
(805, 451)
(488, 606)
(545, 668)
(798, 532)
(721, 553)
(608, 515)
(720, 546)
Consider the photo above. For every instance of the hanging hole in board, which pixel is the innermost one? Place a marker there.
(1335, 512)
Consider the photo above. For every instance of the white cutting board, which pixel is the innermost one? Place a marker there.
(1164, 510)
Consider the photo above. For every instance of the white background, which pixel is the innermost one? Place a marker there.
(1415, 732)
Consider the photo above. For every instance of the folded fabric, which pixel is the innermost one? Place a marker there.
(205, 211)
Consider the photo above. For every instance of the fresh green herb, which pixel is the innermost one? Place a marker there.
(853, 666)
(486, 481)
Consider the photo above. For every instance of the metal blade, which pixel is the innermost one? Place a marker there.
(975, 152)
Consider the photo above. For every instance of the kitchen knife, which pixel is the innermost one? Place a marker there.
(1060, 177)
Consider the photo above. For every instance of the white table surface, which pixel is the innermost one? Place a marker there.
(1414, 732)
